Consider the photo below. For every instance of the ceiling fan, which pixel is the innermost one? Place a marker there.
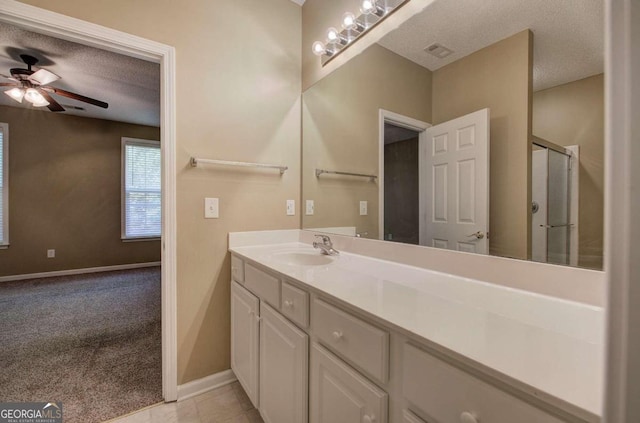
(33, 86)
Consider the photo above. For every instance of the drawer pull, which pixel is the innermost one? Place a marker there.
(337, 335)
(467, 417)
(288, 303)
(368, 418)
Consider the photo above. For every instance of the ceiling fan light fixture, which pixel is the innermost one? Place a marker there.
(16, 93)
(34, 97)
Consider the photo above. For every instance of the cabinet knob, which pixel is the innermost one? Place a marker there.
(468, 417)
(337, 335)
(368, 418)
(288, 303)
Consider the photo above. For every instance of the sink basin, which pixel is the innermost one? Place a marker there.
(303, 258)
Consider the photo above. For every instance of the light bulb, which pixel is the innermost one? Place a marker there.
(349, 21)
(318, 48)
(35, 98)
(368, 7)
(333, 36)
(16, 93)
(41, 103)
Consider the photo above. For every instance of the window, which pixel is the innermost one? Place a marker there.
(4, 184)
(141, 189)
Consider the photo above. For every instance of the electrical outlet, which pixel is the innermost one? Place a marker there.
(363, 208)
(291, 207)
(309, 208)
(51, 253)
(211, 208)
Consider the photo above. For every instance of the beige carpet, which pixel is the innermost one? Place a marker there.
(90, 341)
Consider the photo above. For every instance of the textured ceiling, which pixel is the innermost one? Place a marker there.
(568, 34)
(130, 86)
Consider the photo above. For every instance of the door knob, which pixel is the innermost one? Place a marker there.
(478, 235)
(337, 335)
(368, 418)
(288, 303)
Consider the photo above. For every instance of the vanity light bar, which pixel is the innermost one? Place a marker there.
(372, 12)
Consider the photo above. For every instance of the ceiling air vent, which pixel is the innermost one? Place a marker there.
(438, 50)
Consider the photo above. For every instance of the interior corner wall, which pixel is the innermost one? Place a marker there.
(497, 77)
(238, 86)
(573, 114)
(65, 193)
(340, 132)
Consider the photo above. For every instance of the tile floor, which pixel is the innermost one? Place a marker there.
(227, 404)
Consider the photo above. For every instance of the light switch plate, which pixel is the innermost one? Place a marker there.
(211, 208)
(363, 208)
(51, 253)
(309, 208)
(291, 207)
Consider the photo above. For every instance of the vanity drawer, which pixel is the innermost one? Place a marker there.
(364, 345)
(237, 269)
(444, 393)
(295, 304)
(262, 284)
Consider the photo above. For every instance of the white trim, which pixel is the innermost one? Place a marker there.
(75, 30)
(4, 242)
(403, 122)
(205, 384)
(81, 271)
(622, 208)
(574, 206)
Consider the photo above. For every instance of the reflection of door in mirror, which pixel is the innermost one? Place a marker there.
(455, 184)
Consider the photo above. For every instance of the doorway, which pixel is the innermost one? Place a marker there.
(45, 22)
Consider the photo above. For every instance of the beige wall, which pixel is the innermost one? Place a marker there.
(238, 98)
(498, 77)
(340, 132)
(573, 114)
(64, 193)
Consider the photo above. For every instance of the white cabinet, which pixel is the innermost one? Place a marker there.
(284, 352)
(339, 394)
(244, 339)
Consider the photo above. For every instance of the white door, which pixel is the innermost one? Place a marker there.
(284, 352)
(339, 394)
(244, 339)
(454, 184)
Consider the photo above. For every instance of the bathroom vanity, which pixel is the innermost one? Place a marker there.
(352, 338)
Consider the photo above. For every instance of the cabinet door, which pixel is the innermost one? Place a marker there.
(284, 351)
(244, 339)
(339, 394)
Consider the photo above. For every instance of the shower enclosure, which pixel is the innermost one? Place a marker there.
(554, 210)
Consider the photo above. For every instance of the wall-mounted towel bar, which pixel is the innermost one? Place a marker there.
(319, 172)
(195, 161)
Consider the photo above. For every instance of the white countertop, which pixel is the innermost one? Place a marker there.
(553, 346)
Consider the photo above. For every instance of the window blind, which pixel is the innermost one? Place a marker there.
(142, 190)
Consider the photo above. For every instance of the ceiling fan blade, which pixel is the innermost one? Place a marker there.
(8, 77)
(54, 106)
(77, 97)
(43, 77)
(9, 84)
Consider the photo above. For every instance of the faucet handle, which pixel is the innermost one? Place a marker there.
(325, 239)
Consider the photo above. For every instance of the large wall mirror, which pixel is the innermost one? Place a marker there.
(473, 126)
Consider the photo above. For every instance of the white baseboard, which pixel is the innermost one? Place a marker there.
(78, 271)
(200, 386)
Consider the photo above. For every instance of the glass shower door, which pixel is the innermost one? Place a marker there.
(558, 200)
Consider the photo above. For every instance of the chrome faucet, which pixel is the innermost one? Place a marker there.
(326, 246)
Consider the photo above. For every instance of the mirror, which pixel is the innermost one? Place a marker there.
(472, 126)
